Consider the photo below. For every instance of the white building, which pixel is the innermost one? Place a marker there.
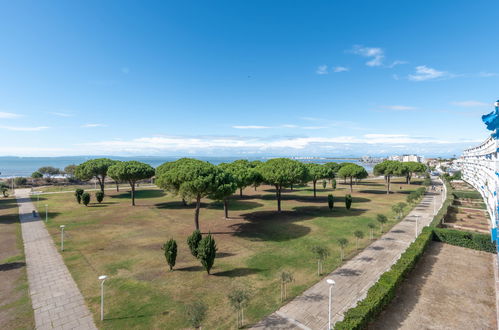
(407, 158)
(480, 168)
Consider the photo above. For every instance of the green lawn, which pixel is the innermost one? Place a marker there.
(254, 247)
(15, 304)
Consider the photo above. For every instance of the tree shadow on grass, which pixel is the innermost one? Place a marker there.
(178, 205)
(189, 269)
(238, 272)
(338, 211)
(312, 199)
(235, 205)
(7, 203)
(146, 193)
(272, 226)
(40, 216)
(8, 219)
(11, 266)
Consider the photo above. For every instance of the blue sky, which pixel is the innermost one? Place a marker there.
(246, 77)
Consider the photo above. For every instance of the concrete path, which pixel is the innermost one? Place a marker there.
(56, 300)
(355, 277)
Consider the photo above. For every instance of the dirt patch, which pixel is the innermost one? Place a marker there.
(451, 288)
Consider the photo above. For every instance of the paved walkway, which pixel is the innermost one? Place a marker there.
(56, 300)
(355, 277)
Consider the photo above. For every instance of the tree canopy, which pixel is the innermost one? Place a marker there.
(282, 172)
(243, 173)
(94, 168)
(49, 170)
(189, 178)
(131, 172)
(317, 172)
(414, 168)
(352, 171)
(389, 168)
(224, 186)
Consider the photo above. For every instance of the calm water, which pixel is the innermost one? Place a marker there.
(24, 166)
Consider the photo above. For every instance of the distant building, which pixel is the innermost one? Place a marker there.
(407, 158)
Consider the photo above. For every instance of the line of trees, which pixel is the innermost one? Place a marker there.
(391, 168)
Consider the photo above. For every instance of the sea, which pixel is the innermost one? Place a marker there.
(24, 166)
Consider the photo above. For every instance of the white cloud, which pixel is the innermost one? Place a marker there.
(470, 104)
(314, 127)
(321, 69)
(424, 72)
(24, 129)
(93, 125)
(488, 74)
(245, 144)
(289, 126)
(375, 54)
(61, 114)
(395, 63)
(340, 69)
(9, 115)
(250, 127)
(399, 107)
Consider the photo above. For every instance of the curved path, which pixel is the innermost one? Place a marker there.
(56, 300)
(355, 277)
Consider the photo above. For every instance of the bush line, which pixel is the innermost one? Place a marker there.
(383, 291)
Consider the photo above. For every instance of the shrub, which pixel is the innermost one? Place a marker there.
(78, 194)
(324, 184)
(342, 242)
(207, 250)
(480, 242)
(195, 313)
(20, 181)
(333, 184)
(330, 201)
(36, 175)
(383, 291)
(170, 248)
(382, 219)
(193, 242)
(99, 196)
(348, 201)
(85, 198)
(467, 194)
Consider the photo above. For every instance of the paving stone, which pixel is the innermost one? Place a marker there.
(55, 297)
(355, 277)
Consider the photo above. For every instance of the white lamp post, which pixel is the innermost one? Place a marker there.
(417, 219)
(102, 278)
(62, 237)
(331, 283)
(46, 213)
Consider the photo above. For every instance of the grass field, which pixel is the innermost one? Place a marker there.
(254, 246)
(15, 304)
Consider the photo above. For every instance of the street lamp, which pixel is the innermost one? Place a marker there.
(102, 278)
(417, 219)
(62, 237)
(46, 213)
(331, 283)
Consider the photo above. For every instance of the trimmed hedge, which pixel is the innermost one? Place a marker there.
(475, 241)
(383, 291)
(449, 200)
(467, 194)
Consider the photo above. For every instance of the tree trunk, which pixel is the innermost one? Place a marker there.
(351, 185)
(184, 202)
(132, 184)
(101, 183)
(388, 183)
(408, 178)
(318, 267)
(196, 214)
(279, 199)
(226, 209)
(240, 192)
(117, 187)
(314, 183)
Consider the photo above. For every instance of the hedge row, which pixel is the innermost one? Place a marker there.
(467, 194)
(475, 241)
(383, 291)
(449, 200)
